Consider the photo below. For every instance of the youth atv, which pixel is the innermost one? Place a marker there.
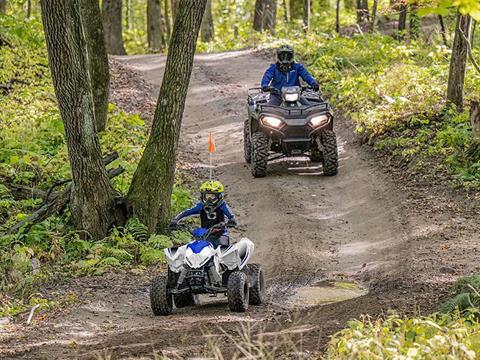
(290, 129)
(199, 268)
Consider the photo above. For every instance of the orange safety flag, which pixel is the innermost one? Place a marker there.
(211, 144)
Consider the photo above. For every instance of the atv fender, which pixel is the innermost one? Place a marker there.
(236, 256)
(175, 257)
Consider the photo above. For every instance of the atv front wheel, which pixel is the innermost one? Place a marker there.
(260, 145)
(160, 298)
(184, 300)
(257, 290)
(247, 144)
(330, 153)
(238, 291)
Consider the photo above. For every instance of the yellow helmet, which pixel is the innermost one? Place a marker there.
(211, 193)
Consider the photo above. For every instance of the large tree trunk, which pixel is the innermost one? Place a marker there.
(154, 25)
(151, 189)
(458, 60)
(92, 194)
(207, 23)
(296, 9)
(306, 14)
(3, 6)
(97, 59)
(258, 15)
(112, 26)
(270, 16)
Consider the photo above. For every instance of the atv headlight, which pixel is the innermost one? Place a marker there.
(272, 121)
(320, 120)
(291, 97)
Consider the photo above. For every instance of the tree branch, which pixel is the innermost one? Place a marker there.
(469, 50)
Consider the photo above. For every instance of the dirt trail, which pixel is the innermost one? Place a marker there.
(306, 228)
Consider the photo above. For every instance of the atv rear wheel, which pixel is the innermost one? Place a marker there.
(330, 152)
(238, 291)
(247, 144)
(260, 144)
(160, 298)
(184, 300)
(257, 288)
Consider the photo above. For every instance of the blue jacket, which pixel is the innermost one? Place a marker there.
(278, 79)
(222, 211)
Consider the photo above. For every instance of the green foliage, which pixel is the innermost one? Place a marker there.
(465, 296)
(138, 230)
(151, 256)
(434, 337)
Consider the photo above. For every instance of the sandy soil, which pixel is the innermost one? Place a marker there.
(400, 242)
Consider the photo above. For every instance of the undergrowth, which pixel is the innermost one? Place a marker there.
(33, 154)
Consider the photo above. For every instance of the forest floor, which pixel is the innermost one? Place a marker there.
(365, 241)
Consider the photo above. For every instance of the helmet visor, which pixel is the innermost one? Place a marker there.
(210, 197)
(285, 56)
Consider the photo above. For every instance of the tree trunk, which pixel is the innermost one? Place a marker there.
(296, 9)
(374, 15)
(306, 14)
(92, 196)
(258, 15)
(154, 25)
(3, 6)
(458, 60)
(270, 16)
(29, 9)
(150, 192)
(362, 13)
(414, 21)
(443, 31)
(112, 26)
(402, 20)
(337, 17)
(97, 59)
(475, 120)
(166, 18)
(208, 31)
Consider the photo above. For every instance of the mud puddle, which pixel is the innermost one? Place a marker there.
(327, 292)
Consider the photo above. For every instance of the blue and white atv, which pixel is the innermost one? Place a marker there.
(199, 268)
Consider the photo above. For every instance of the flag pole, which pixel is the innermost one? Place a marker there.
(211, 166)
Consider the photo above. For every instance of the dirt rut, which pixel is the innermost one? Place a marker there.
(306, 227)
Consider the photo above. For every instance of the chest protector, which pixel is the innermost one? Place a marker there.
(208, 219)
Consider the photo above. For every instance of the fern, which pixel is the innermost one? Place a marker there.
(137, 229)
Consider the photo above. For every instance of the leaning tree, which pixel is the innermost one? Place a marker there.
(150, 193)
(92, 195)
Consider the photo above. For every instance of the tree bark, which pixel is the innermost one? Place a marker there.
(475, 120)
(92, 195)
(112, 26)
(443, 31)
(458, 60)
(270, 16)
(3, 6)
(337, 17)
(154, 25)
(374, 15)
(97, 59)
(362, 13)
(208, 31)
(151, 189)
(402, 20)
(174, 7)
(285, 11)
(258, 15)
(306, 14)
